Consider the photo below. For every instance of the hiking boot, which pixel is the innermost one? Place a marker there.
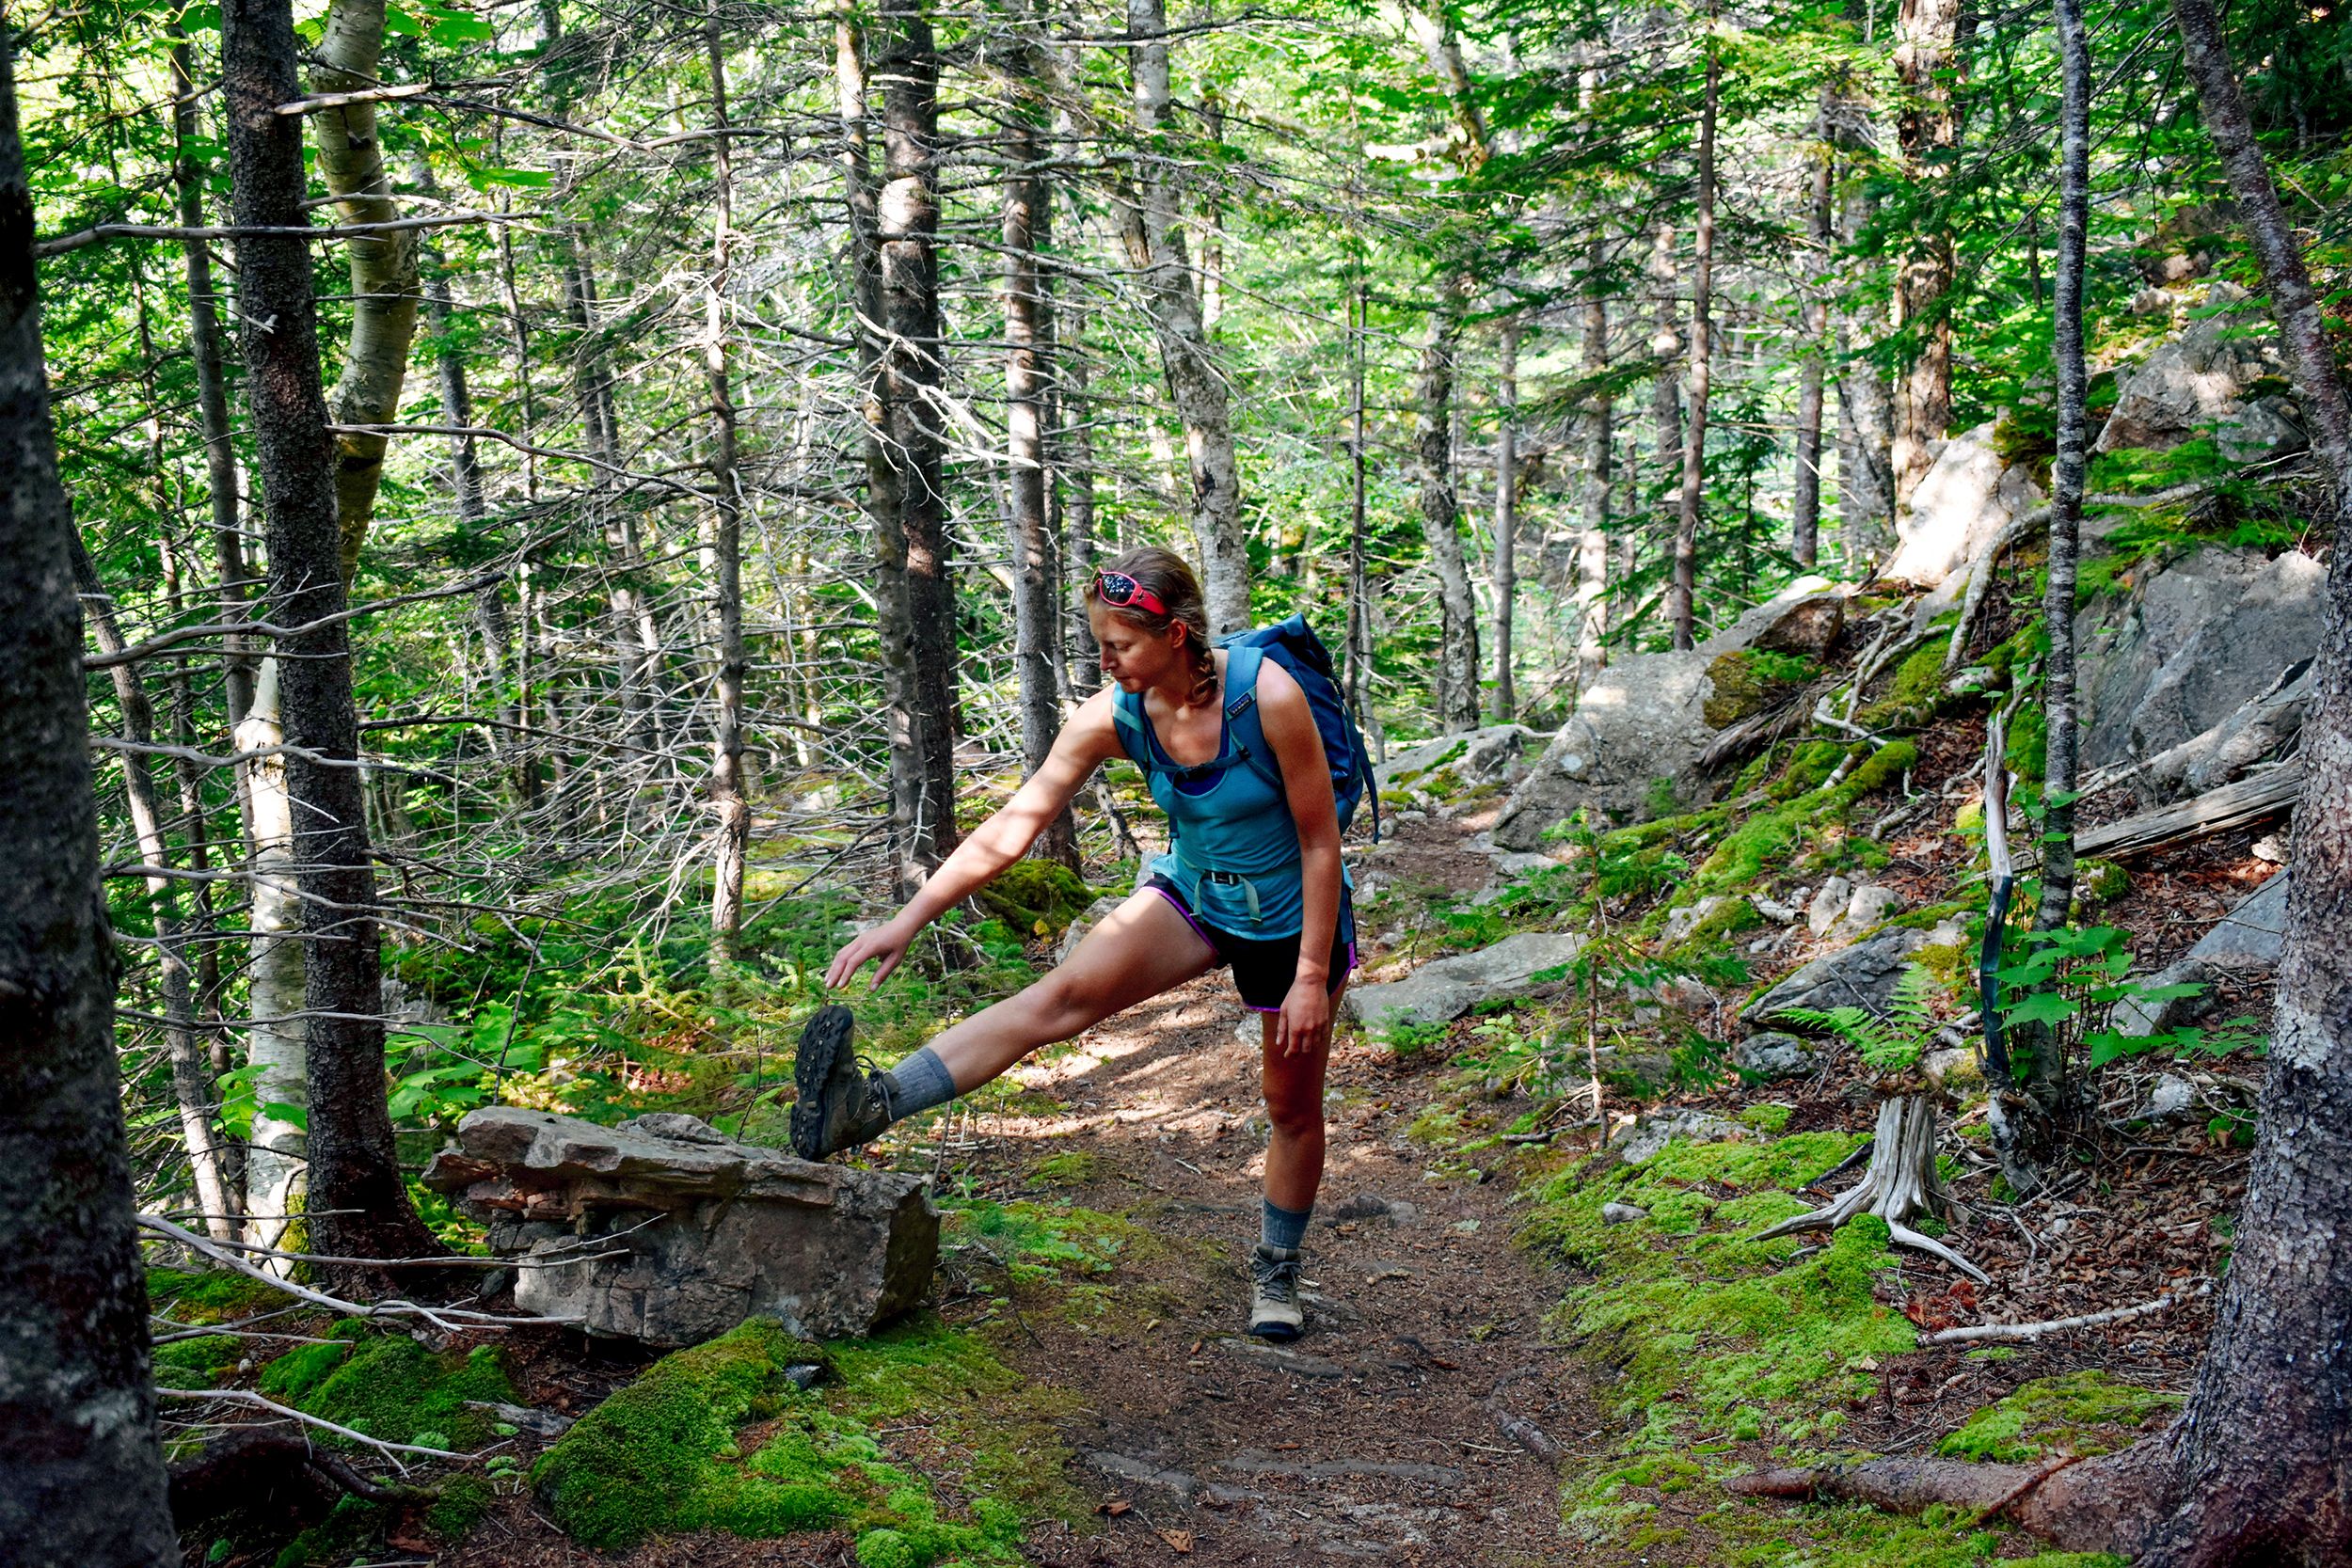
(842, 1104)
(1274, 1310)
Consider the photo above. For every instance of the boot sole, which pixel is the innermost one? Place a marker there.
(822, 1040)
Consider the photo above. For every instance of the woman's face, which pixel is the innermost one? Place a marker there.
(1131, 656)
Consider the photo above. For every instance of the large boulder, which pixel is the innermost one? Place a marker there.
(2126, 641)
(1642, 720)
(1473, 757)
(665, 1230)
(2234, 656)
(2255, 732)
(1963, 502)
(2250, 939)
(1863, 975)
(2209, 380)
(1442, 990)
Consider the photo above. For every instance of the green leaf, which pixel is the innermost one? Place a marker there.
(297, 1116)
(2043, 1007)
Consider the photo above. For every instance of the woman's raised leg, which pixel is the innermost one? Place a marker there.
(1143, 948)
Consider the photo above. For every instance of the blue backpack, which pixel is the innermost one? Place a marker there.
(1294, 646)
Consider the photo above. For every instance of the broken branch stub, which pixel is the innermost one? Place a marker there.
(699, 1231)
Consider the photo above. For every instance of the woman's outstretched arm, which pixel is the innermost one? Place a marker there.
(1086, 741)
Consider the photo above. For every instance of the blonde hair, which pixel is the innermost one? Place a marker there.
(1166, 573)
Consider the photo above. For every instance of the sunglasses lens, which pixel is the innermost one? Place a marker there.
(1117, 587)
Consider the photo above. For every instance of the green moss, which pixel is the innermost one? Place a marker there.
(2081, 1413)
(1074, 1167)
(463, 1502)
(208, 1296)
(1917, 694)
(2098, 882)
(1766, 1116)
(1036, 1242)
(209, 1354)
(347, 1526)
(667, 1453)
(1037, 897)
(1747, 681)
(388, 1385)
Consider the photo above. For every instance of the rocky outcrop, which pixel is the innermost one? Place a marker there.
(1964, 501)
(1641, 725)
(1443, 991)
(1774, 1055)
(2256, 732)
(2211, 379)
(1863, 975)
(1476, 757)
(665, 1230)
(2193, 642)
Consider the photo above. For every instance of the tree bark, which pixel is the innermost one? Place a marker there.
(81, 1466)
(361, 1206)
(2263, 1448)
(1592, 550)
(192, 1084)
(1804, 526)
(912, 369)
(1359, 617)
(1036, 617)
(728, 799)
(894, 622)
(1504, 703)
(1682, 597)
(383, 287)
(1440, 515)
(1157, 248)
(1927, 60)
(1666, 348)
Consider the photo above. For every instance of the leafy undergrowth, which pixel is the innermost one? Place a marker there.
(1728, 1353)
(719, 1438)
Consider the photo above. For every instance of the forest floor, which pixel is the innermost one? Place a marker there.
(1493, 1376)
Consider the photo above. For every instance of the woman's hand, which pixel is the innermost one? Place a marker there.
(1303, 1027)
(887, 941)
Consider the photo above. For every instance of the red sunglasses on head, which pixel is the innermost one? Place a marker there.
(1119, 588)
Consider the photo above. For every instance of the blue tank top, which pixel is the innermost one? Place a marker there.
(1232, 846)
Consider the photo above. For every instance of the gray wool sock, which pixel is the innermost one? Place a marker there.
(918, 1084)
(1285, 1229)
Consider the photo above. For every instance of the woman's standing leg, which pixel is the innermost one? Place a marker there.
(1293, 1107)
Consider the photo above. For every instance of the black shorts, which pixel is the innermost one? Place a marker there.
(1266, 969)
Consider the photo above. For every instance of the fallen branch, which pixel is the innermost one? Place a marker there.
(1981, 1332)
(2216, 811)
(287, 1412)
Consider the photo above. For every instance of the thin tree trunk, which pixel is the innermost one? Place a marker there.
(1804, 528)
(1027, 330)
(2263, 1448)
(728, 798)
(912, 370)
(191, 1072)
(1592, 551)
(1359, 627)
(360, 1206)
(1682, 602)
(1440, 515)
(1157, 248)
(894, 629)
(1505, 704)
(1866, 414)
(1927, 58)
(1666, 348)
(81, 1465)
(1073, 470)
(383, 266)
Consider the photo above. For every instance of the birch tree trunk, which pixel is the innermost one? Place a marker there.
(1156, 246)
(384, 286)
(1681, 600)
(1027, 330)
(361, 1206)
(192, 1085)
(1073, 472)
(1804, 527)
(728, 800)
(1592, 550)
(81, 1465)
(894, 630)
(1359, 616)
(1440, 515)
(1666, 347)
(908, 220)
(1927, 60)
(1504, 703)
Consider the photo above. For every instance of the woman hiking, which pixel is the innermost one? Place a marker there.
(1252, 880)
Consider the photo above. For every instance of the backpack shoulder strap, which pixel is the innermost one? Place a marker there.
(1127, 720)
(1243, 665)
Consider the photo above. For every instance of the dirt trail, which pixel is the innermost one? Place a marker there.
(1404, 1427)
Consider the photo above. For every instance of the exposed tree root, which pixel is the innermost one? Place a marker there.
(1899, 1183)
(272, 1471)
(2111, 1504)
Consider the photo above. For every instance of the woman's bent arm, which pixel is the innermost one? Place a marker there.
(1305, 1023)
(1087, 740)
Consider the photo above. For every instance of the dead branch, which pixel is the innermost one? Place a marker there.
(1981, 1332)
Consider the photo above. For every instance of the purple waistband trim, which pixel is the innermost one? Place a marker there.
(1198, 929)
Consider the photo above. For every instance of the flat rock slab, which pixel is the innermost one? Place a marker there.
(1442, 990)
(681, 1232)
(1863, 975)
(2251, 938)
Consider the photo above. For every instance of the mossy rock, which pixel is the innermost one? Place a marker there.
(209, 1296)
(1917, 693)
(388, 1385)
(1037, 897)
(1747, 681)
